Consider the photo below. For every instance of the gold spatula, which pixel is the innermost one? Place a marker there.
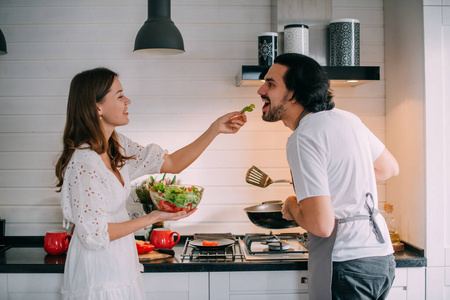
(257, 177)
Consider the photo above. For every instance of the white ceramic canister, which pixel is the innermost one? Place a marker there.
(344, 42)
(296, 39)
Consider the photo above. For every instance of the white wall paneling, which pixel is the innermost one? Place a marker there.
(174, 98)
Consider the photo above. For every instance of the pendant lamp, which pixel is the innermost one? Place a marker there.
(2, 44)
(159, 34)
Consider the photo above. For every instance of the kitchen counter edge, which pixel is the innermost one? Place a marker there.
(35, 260)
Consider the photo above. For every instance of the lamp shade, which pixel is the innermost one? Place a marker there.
(2, 44)
(159, 34)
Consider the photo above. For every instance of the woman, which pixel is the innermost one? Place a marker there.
(94, 173)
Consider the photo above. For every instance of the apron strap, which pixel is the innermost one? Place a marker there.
(371, 217)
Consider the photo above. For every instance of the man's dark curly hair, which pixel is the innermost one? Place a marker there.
(308, 80)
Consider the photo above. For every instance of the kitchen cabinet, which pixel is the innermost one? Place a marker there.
(259, 285)
(167, 286)
(176, 286)
(417, 129)
(3, 286)
(409, 284)
(36, 286)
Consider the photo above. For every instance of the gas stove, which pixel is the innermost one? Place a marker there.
(285, 246)
(251, 247)
(227, 250)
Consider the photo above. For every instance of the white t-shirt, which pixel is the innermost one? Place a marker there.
(331, 153)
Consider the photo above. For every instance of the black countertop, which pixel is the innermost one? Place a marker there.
(28, 256)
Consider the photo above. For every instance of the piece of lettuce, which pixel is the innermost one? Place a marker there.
(248, 108)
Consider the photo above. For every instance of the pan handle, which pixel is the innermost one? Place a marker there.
(272, 201)
(282, 180)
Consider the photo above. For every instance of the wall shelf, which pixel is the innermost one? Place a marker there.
(339, 76)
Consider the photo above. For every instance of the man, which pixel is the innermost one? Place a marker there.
(335, 163)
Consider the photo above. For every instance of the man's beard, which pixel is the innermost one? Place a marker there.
(275, 113)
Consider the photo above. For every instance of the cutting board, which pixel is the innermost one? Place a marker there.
(153, 255)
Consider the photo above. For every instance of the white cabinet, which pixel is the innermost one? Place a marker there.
(167, 286)
(3, 286)
(409, 284)
(418, 129)
(287, 285)
(176, 286)
(34, 286)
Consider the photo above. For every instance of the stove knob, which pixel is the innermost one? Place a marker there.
(304, 280)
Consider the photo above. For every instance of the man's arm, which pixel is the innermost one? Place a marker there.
(314, 214)
(386, 166)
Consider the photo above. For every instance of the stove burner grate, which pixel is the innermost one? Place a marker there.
(276, 243)
(226, 254)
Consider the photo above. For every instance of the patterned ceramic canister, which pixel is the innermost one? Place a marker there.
(344, 42)
(267, 48)
(296, 39)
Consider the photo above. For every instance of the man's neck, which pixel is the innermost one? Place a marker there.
(292, 116)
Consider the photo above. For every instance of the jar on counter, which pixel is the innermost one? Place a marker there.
(296, 39)
(392, 226)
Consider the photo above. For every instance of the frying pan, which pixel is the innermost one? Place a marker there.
(222, 244)
(268, 215)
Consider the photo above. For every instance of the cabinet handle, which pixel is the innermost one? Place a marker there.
(304, 280)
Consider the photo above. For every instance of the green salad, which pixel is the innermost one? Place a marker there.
(175, 197)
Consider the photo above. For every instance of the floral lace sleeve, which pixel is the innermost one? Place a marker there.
(84, 204)
(148, 159)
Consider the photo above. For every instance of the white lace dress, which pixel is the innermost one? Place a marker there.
(92, 197)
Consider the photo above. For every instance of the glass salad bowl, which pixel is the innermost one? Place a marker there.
(175, 198)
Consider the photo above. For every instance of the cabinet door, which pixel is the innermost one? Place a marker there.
(176, 286)
(409, 284)
(3, 286)
(259, 285)
(398, 290)
(34, 286)
(436, 19)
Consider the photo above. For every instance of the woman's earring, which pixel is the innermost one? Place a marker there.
(100, 117)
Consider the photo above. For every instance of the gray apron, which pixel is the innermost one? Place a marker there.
(320, 264)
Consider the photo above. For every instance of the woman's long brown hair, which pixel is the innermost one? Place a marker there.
(83, 129)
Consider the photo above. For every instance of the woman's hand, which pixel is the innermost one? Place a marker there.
(161, 216)
(230, 123)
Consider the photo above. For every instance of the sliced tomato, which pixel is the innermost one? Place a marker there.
(166, 206)
(209, 243)
(143, 247)
(169, 207)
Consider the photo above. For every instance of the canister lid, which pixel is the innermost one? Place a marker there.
(345, 21)
(296, 25)
(268, 33)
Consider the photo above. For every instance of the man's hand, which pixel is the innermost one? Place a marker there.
(287, 206)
